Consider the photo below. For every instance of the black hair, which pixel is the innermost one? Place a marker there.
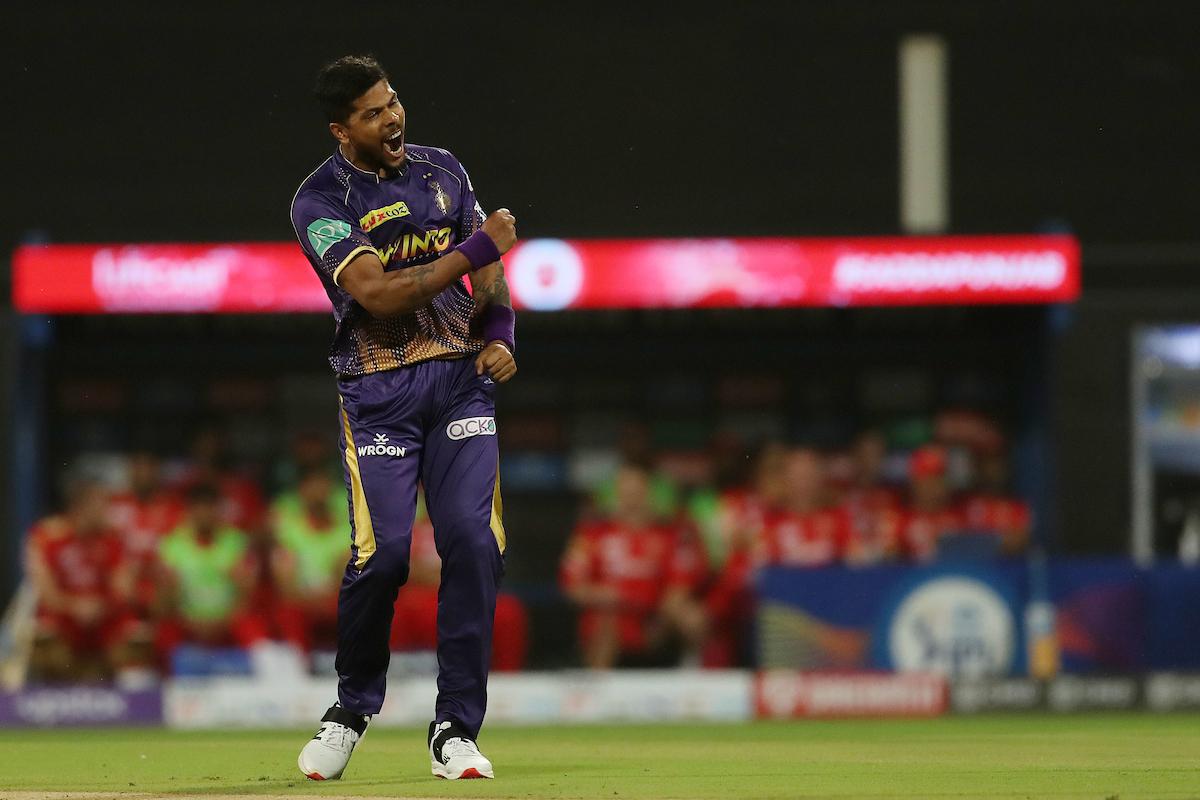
(341, 82)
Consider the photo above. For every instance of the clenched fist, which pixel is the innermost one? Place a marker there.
(501, 226)
(497, 361)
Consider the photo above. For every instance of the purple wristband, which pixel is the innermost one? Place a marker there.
(499, 325)
(479, 249)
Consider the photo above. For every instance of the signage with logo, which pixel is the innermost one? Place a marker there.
(959, 620)
(553, 274)
(785, 693)
(1172, 692)
(80, 705)
(996, 694)
(1071, 693)
(954, 625)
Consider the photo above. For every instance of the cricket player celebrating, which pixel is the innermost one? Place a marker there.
(391, 228)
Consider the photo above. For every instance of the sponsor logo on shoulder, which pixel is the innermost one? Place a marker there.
(379, 216)
(324, 233)
(472, 426)
(382, 447)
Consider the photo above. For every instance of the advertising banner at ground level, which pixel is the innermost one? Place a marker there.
(785, 694)
(632, 696)
(513, 698)
(79, 706)
(966, 620)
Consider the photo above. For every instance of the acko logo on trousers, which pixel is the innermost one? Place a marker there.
(472, 426)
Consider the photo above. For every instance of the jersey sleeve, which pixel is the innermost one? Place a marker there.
(470, 213)
(328, 232)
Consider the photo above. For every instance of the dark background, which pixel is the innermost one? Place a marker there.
(193, 121)
(159, 122)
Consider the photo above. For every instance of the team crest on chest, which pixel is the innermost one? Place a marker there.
(440, 198)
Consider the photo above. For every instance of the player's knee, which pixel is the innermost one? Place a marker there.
(466, 537)
(391, 562)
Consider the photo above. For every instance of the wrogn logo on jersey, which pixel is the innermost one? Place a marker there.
(381, 448)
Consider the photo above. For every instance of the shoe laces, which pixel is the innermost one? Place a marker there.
(336, 735)
(452, 748)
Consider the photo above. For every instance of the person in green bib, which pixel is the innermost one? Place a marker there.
(208, 571)
(312, 545)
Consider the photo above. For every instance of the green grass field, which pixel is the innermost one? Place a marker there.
(1109, 756)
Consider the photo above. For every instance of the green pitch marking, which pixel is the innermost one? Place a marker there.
(1097, 757)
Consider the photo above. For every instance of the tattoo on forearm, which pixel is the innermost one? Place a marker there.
(495, 292)
(419, 275)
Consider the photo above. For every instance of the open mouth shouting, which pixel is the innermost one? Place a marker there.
(393, 145)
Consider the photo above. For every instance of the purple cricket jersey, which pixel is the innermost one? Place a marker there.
(413, 217)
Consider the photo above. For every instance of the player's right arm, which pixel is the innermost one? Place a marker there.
(337, 246)
(384, 294)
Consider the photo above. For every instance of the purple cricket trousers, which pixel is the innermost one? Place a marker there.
(432, 422)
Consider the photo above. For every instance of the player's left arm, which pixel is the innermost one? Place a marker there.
(491, 296)
(492, 301)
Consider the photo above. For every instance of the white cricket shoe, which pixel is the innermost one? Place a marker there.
(454, 755)
(326, 755)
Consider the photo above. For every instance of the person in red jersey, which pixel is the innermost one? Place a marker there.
(632, 579)
(148, 508)
(84, 583)
(990, 508)
(414, 627)
(806, 531)
(730, 521)
(731, 524)
(870, 503)
(143, 514)
(931, 514)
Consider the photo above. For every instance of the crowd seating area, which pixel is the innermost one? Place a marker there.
(661, 574)
(155, 562)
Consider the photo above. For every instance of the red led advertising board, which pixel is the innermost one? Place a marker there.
(554, 274)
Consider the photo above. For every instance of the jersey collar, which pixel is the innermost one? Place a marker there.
(373, 177)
